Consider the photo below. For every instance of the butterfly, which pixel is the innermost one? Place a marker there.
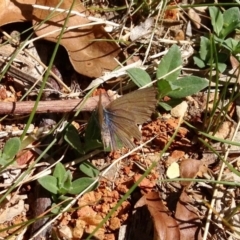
(118, 120)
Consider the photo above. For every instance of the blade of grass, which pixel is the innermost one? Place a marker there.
(47, 73)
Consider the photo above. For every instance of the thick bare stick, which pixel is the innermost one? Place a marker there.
(56, 106)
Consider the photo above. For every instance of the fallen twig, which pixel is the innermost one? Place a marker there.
(53, 106)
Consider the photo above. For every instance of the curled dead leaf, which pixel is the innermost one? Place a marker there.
(194, 16)
(190, 168)
(188, 219)
(15, 11)
(165, 227)
(90, 48)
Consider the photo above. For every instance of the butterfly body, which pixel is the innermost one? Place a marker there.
(118, 120)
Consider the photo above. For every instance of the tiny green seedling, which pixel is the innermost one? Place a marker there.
(71, 136)
(11, 148)
(60, 183)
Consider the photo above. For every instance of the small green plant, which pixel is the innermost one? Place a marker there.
(223, 25)
(89, 170)
(60, 183)
(168, 83)
(92, 137)
(11, 148)
(71, 136)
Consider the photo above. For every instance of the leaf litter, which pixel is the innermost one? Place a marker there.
(177, 209)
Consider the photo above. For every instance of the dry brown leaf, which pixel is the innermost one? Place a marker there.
(226, 130)
(190, 168)
(198, 16)
(235, 66)
(189, 223)
(165, 227)
(10, 213)
(15, 11)
(88, 54)
(194, 16)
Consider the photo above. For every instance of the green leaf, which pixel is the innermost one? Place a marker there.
(189, 85)
(231, 19)
(49, 183)
(165, 106)
(216, 19)
(63, 198)
(64, 190)
(71, 136)
(3, 161)
(81, 184)
(66, 183)
(164, 87)
(92, 145)
(11, 148)
(55, 208)
(139, 76)
(88, 169)
(199, 62)
(204, 50)
(221, 67)
(68, 180)
(92, 134)
(67, 175)
(232, 45)
(59, 172)
(170, 62)
(173, 102)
